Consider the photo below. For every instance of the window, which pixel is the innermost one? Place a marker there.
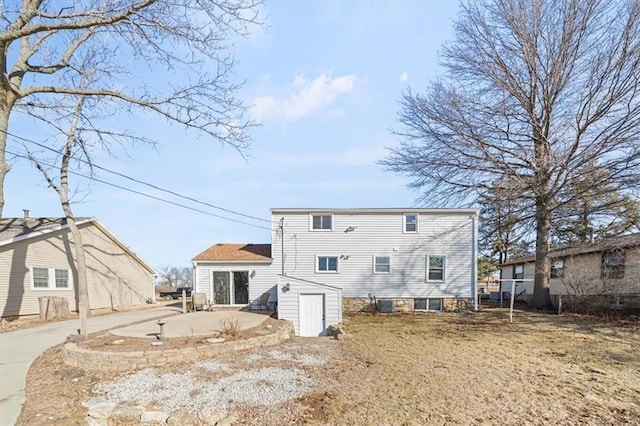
(410, 223)
(557, 269)
(62, 278)
(427, 304)
(613, 264)
(518, 271)
(327, 264)
(40, 277)
(50, 278)
(435, 268)
(381, 264)
(321, 222)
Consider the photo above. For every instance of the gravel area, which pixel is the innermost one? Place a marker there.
(263, 377)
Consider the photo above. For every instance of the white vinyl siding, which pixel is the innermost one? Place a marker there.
(379, 234)
(288, 301)
(262, 278)
(381, 264)
(50, 278)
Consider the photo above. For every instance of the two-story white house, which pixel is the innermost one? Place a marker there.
(322, 261)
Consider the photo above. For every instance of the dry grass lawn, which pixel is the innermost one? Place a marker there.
(479, 369)
(423, 369)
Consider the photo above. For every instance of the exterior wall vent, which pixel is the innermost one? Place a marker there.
(385, 306)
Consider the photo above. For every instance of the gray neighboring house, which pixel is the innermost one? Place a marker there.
(37, 258)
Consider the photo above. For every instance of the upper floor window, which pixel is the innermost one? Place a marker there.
(436, 268)
(613, 264)
(381, 264)
(410, 222)
(518, 271)
(50, 278)
(557, 269)
(327, 264)
(321, 222)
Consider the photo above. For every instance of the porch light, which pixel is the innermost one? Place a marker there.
(286, 287)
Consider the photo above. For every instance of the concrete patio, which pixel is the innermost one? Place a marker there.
(192, 324)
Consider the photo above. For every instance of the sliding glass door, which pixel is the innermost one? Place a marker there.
(231, 287)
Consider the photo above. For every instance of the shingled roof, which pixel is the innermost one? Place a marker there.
(11, 228)
(604, 244)
(236, 253)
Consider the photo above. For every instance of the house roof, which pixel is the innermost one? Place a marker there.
(236, 253)
(14, 229)
(375, 210)
(603, 244)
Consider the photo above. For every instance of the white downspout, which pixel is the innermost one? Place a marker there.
(474, 260)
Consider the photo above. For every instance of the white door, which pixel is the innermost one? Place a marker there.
(311, 314)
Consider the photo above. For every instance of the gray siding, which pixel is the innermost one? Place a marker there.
(288, 302)
(114, 277)
(379, 233)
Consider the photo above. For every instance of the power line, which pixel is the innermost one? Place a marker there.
(142, 182)
(146, 195)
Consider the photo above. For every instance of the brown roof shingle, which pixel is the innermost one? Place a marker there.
(236, 252)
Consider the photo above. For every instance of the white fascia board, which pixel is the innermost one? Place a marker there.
(276, 211)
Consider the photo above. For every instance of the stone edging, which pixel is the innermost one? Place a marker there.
(101, 360)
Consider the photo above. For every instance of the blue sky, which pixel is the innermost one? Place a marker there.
(324, 79)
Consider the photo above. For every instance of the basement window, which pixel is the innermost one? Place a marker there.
(427, 304)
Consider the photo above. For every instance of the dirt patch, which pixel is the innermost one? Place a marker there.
(412, 369)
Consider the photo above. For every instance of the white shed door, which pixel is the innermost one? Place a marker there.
(311, 314)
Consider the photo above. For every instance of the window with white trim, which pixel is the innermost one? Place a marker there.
(322, 222)
(410, 223)
(436, 268)
(612, 264)
(518, 271)
(326, 263)
(427, 304)
(381, 264)
(50, 278)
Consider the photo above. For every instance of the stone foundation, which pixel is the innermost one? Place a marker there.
(401, 304)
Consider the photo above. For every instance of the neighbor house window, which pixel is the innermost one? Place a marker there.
(321, 222)
(410, 223)
(427, 304)
(381, 264)
(435, 268)
(518, 271)
(50, 278)
(613, 264)
(557, 269)
(327, 264)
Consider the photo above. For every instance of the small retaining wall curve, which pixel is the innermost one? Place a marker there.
(100, 360)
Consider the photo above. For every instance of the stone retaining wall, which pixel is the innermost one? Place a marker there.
(102, 360)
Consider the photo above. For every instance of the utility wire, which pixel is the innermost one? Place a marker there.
(142, 182)
(145, 194)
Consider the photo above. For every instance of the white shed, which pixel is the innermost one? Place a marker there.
(311, 306)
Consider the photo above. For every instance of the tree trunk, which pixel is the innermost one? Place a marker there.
(4, 167)
(541, 297)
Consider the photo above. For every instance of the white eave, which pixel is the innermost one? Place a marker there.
(376, 210)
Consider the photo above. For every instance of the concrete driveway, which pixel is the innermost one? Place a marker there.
(18, 349)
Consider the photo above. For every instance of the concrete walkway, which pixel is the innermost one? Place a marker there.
(192, 324)
(19, 348)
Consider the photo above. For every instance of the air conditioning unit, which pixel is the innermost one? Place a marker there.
(385, 306)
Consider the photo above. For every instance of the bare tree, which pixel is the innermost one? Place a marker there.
(73, 142)
(534, 91)
(47, 46)
(175, 276)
